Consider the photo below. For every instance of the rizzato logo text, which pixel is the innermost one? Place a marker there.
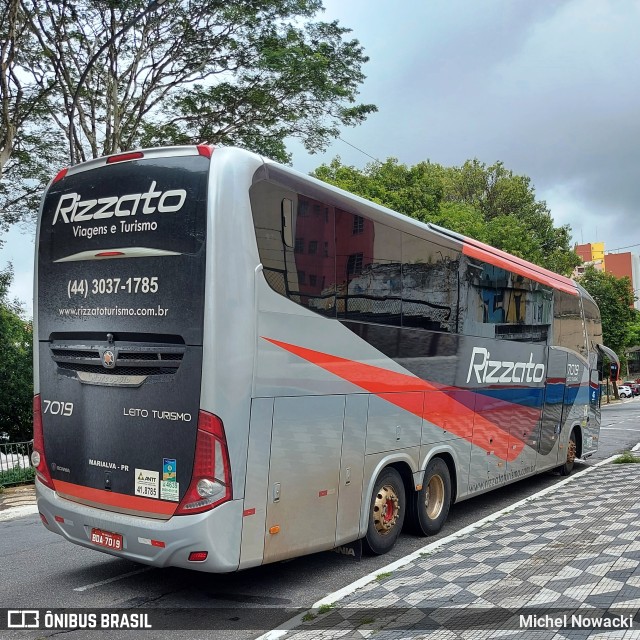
(498, 371)
(72, 208)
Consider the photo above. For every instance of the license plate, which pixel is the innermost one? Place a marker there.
(106, 539)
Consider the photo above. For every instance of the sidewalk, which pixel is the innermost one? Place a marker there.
(17, 501)
(554, 568)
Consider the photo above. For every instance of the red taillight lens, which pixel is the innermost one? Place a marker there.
(205, 150)
(211, 476)
(38, 459)
(61, 174)
(198, 556)
(123, 157)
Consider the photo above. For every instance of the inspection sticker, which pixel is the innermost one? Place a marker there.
(169, 469)
(147, 483)
(169, 490)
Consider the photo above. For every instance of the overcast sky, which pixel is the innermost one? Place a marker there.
(550, 88)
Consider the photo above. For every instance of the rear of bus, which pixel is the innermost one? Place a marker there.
(126, 460)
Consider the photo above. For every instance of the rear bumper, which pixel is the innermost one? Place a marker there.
(217, 531)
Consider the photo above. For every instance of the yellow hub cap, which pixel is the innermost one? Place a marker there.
(434, 497)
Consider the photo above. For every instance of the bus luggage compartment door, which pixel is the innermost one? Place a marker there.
(304, 475)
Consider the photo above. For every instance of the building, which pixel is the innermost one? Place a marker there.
(617, 264)
(592, 254)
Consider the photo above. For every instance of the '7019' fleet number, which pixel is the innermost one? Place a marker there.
(57, 408)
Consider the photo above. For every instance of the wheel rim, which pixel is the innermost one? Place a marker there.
(571, 451)
(434, 497)
(386, 509)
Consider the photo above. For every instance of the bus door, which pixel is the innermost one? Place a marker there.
(553, 409)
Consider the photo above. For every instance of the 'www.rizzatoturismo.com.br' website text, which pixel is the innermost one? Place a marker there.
(79, 312)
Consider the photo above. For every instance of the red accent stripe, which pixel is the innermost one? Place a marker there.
(439, 408)
(484, 252)
(112, 499)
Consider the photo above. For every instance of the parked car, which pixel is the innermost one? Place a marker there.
(635, 387)
(624, 391)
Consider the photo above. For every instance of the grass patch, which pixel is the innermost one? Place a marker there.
(382, 576)
(17, 475)
(308, 617)
(366, 621)
(325, 608)
(628, 457)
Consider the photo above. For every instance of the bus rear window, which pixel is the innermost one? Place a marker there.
(154, 204)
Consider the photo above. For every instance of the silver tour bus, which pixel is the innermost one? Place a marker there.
(236, 363)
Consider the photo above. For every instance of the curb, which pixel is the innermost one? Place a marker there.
(336, 596)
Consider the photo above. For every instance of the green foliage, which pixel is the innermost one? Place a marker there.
(17, 475)
(219, 71)
(614, 297)
(16, 365)
(488, 203)
(325, 608)
(627, 457)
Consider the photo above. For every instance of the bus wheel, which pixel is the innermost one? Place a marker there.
(567, 467)
(386, 512)
(430, 505)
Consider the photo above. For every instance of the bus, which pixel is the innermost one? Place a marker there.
(236, 364)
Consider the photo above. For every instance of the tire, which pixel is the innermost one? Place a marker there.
(386, 512)
(567, 467)
(429, 507)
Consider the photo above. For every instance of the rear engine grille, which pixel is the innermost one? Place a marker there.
(130, 360)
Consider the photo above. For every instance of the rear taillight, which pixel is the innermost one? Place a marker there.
(211, 477)
(61, 174)
(123, 157)
(205, 150)
(38, 459)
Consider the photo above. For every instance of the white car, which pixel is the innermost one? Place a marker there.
(624, 391)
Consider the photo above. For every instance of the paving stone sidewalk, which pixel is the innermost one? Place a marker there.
(573, 552)
(20, 496)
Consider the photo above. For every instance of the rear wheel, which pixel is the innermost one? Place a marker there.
(430, 506)
(386, 512)
(572, 447)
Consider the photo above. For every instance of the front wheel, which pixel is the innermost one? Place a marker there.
(386, 512)
(567, 467)
(429, 507)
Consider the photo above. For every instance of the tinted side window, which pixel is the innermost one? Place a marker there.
(505, 305)
(368, 271)
(592, 321)
(429, 285)
(568, 328)
(303, 273)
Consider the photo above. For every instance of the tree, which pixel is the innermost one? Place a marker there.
(16, 365)
(614, 297)
(26, 144)
(490, 204)
(217, 71)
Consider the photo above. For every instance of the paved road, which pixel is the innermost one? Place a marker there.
(40, 569)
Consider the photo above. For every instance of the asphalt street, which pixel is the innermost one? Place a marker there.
(40, 569)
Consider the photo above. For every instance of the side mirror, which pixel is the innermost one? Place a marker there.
(613, 371)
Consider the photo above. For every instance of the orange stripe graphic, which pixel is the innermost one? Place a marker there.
(440, 408)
